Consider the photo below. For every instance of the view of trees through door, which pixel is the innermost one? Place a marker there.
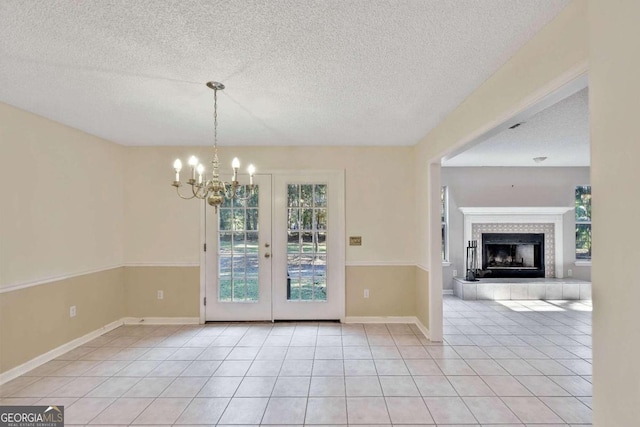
(307, 242)
(239, 247)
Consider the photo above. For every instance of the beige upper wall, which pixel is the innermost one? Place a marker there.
(559, 48)
(614, 103)
(62, 212)
(161, 228)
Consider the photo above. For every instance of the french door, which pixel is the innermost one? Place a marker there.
(238, 255)
(308, 279)
(278, 254)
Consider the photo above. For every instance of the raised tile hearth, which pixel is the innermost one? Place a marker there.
(522, 289)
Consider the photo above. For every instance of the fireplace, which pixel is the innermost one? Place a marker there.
(513, 254)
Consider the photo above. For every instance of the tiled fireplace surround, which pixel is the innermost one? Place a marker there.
(549, 239)
(547, 220)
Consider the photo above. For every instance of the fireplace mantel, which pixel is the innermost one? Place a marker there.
(520, 215)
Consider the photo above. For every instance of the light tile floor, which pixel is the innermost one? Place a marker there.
(507, 363)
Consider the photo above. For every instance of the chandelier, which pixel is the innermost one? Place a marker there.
(212, 189)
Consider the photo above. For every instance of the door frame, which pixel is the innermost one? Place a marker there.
(339, 226)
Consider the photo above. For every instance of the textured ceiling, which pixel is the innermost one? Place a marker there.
(560, 133)
(334, 72)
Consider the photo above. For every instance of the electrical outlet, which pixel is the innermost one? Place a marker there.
(366, 293)
(160, 294)
(72, 311)
(455, 273)
(570, 273)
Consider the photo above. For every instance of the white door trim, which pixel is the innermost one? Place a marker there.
(436, 321)
(203, 261)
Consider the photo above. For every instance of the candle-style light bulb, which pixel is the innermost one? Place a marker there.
(235, 164)
(193, 162)
(251, 169)
(200, 169)
(177, 165)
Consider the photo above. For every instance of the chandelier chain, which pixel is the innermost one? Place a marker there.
(215, 118)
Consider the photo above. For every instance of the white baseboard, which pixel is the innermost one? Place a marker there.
(389, 319)
(423, 328)
(379, 319)
(447, 292)
(56, 352)
(59, 351)
(161, 320)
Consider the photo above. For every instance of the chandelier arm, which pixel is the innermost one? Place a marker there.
(200, 191)
(251, 193)
(184, 197)
(229, 190)
(244, 199)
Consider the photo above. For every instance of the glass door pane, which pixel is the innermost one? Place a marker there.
(238, 263)
(306, 242)
(238, 244)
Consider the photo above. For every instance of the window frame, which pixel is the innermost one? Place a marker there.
(444, 227)
(582, 259)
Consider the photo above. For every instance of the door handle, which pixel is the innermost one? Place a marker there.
(267, 255)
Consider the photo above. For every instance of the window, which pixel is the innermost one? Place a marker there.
(307, 242)
(444, 219)
(583, 223)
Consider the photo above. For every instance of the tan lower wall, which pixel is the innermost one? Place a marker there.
(391, 290)
(36, 320)
(422, 296)
(181, 286)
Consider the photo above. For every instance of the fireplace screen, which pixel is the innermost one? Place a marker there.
(510, 256)
(513, 254)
